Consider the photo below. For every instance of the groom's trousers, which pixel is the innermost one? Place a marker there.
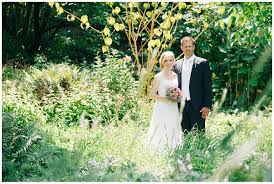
(192, 118)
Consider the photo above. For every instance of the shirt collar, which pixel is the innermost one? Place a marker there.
(190, 59)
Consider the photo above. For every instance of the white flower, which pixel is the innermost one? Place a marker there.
(197, 62)
(189, 167)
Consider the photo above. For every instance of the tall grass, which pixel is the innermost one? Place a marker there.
(43, 139)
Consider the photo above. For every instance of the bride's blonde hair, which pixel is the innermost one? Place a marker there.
(164, 54)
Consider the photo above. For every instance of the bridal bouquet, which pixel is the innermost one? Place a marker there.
(174, 94)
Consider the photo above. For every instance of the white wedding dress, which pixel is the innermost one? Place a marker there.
(165, 129)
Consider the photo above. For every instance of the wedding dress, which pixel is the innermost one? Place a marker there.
(165, 129)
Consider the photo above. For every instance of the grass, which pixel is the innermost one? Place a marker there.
(115, 151)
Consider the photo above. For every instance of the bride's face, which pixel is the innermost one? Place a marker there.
(168, 62)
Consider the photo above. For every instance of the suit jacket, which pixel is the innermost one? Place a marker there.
(200, 86)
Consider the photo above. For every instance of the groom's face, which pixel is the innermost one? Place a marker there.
(188, 48)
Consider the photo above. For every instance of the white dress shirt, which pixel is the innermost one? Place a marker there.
(186, 72)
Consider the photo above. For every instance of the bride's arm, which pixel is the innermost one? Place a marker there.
(153, 92)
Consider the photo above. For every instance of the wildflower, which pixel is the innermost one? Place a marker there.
(189, 167)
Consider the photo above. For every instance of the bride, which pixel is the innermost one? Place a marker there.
(165, 130)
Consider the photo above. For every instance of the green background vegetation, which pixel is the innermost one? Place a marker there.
(55, 80)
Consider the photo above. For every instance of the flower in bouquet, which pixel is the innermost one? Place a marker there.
(174, 94)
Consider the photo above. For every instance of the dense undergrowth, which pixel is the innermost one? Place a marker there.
(66, 123)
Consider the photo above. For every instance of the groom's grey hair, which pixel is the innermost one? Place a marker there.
(187, 38)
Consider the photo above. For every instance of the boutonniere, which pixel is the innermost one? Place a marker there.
(196, 62)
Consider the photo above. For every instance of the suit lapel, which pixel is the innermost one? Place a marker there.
(180, 67)
(193, 68)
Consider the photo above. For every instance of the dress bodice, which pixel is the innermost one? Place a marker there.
(165, 83)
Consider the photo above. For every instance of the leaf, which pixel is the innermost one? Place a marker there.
(222, 24)
(230, 21)
(146, 5)
(106, 31)
(70, 17)
(84, 18)
(105, 48)
(266, 32)
(60, 10)
(256, 39)
(117, 10)
(85, 26)
(182, 6)
(51, 4)
(248, 58)
(221, 10)
(158, 31)
(222, 50)
(108, 41)
(111, 20)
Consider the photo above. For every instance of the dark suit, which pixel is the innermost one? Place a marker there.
(200, 88)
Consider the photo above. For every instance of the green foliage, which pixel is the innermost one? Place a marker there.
(65, 91)
(10, 73)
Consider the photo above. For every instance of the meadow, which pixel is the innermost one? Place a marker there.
(63, 122)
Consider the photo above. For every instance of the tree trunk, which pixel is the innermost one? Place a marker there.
(36, 26)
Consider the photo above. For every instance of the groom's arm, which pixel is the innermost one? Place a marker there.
(207, 101)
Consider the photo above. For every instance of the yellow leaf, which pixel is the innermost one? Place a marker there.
(198, 11)
(172, 19)
(146, 5)
(84, 19)
(149, 13)
(222, 24)
(178, 16)
(151, 43)
(85, 26)
(167, 35)
(164, 16)
(182, 5)
(108, 41)
(57, 5)
(205, 25)
(221, 10)
(106, 31)
(51, 4)
(60, 10)
(70, 17)
(105, 48)
(163, 4)
(157, 42)
(111, 20)
(117, 10)
(165, 24)
(130, 5)
(155, 4)
(158, 31)
(116, 27)
(122, 26)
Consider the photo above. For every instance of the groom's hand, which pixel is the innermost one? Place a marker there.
(204, 112)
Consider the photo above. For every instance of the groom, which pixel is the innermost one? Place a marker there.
(194, 79)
